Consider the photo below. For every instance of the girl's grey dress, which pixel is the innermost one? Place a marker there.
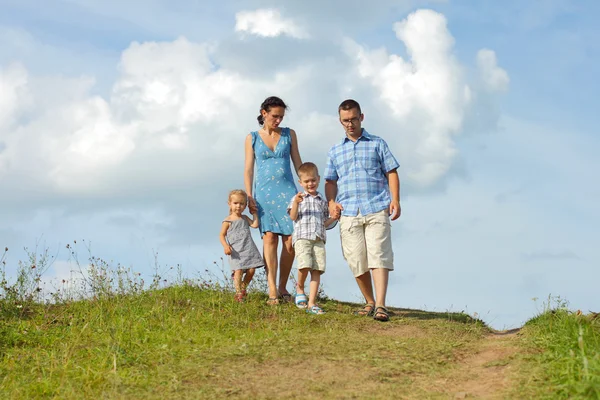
(244, 253)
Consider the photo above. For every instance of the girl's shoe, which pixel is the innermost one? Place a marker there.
(239, 297)
(301, 301)
(315, 310)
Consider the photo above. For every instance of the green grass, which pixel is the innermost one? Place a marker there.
(562, 360)
(187, 342)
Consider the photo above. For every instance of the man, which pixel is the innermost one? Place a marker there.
(362, 182)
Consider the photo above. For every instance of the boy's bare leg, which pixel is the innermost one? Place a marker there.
(315, 281)
(380, 279)
(366, 287)
(302, 275)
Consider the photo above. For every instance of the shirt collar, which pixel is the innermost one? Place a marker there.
(364, 135)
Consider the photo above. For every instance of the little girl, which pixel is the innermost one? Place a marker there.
(237, 242)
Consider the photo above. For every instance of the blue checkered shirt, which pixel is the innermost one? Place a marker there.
(360, 171)
(313, 211)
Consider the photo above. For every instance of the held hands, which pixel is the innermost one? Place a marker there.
(335, 210)
(228, 250)
(395, 210)
(252, 205)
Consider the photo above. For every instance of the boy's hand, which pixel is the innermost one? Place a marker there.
(299, 198)
(228, 250)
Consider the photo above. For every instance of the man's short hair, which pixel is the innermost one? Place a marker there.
(308, 168)
(349, 105)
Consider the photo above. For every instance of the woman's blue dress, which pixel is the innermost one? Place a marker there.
(274, 185)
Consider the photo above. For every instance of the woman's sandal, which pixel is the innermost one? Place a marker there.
(239, 297)
(381, 314)
(273, 301)
(315, 310)
(367, 310)
(301, 300)
(286, 298)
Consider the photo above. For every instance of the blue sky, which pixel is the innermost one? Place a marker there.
(111, 113)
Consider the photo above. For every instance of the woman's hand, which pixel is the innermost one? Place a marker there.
(252, 205)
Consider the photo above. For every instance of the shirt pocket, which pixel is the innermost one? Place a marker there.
(371, 164)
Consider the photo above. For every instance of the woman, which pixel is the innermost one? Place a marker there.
(272, 189)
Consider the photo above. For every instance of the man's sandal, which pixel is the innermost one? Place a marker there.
(381, 314)
(367, 310)
(301, 300)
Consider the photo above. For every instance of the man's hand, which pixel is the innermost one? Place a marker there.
(228, 250)
(395, 210)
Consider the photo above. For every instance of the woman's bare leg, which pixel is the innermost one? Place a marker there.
(270, 242)
(285, 263)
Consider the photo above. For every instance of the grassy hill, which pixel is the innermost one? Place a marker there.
(191, 341)
(108, 335)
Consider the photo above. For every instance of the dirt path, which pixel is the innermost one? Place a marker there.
(487, 373)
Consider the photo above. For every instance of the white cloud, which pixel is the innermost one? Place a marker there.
(428, 95)
(172, 110)
(494, 78)
(268, 23)
(13, 81)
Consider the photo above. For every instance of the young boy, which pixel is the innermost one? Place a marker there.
(310, 212)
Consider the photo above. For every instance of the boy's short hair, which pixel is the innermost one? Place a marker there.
(308, 168)
(349, 105)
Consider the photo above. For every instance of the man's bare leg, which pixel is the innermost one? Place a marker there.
(366, 287)
(380, 280)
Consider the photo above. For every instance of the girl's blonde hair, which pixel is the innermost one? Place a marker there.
(238, 192)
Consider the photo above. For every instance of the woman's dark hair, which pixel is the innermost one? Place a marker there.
(268, 104)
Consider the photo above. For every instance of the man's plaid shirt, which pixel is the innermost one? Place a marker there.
(360, 171)
(313, 211)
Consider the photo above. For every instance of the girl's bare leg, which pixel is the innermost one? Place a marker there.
(270, 242)
(248, 278)
(237, 280)
(285, 263)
